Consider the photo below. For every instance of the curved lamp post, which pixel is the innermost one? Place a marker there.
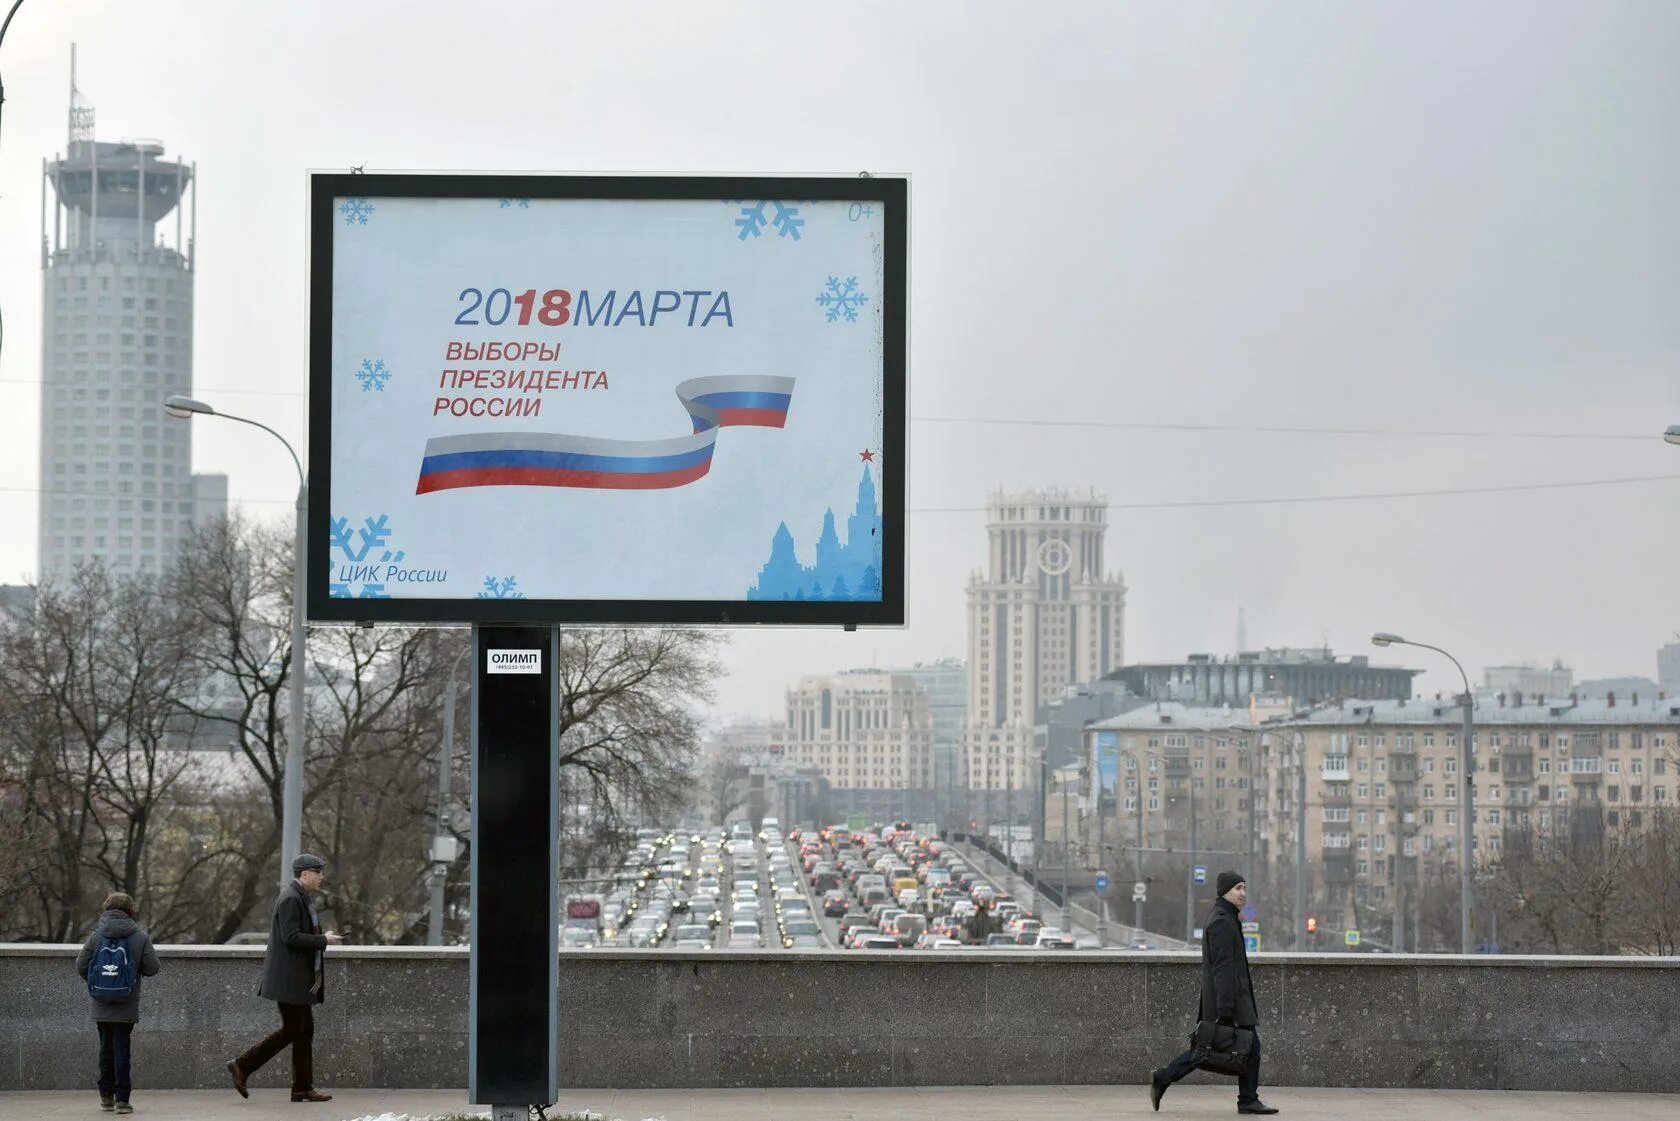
(1672, 435)
(291, 828)
(1467, 808)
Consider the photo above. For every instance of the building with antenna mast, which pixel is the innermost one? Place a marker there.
(117, 322)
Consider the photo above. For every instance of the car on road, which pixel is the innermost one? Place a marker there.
(704, 908)
(834, 904)
(1004, 940)
(907, 928)
(694, 932)
(1142, 944)
(878, 942)
(852, 921)
(794, 928)
(1052, 939)
(858, 934)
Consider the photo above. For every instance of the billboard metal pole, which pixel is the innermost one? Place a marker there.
(511, 1047)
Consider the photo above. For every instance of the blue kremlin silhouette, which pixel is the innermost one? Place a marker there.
(843, 572)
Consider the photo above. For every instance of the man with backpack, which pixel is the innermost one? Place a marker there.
(294, 977)
(113, 959)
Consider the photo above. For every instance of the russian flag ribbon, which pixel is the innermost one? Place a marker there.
(542, 459)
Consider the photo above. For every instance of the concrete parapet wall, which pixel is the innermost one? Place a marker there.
(397, 1017)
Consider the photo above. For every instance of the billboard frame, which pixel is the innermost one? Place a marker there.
(891, 191)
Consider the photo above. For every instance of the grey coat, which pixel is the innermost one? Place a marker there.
(293, 969)
(1227, 988)
(116, 924)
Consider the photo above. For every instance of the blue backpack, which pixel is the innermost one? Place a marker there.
(111, 973)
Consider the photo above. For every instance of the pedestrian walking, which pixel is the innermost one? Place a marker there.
(1227, 995)
(117, 954)
(294, 977)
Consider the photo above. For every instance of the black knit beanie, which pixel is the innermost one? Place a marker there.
(1227, 881)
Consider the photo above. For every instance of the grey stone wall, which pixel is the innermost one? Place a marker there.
(398, 1016)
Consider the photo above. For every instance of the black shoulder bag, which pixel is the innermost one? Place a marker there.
(1221, 1048)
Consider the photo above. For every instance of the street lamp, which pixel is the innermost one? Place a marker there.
(1137, 847)
(1672, 435)
(1467, 809)
(445, 847)
(291, 828)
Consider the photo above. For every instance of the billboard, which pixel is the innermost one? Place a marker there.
(1108, 765)
(607, 399)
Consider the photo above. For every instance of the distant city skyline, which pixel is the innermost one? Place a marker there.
(1306, 251)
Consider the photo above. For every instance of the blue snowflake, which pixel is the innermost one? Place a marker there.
(355, 211)
(752, 221)
(373, 374)
(842, 298)
(500, 589)
(523, 204)
(374, 534)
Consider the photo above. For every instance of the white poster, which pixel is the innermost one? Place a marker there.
(578, 399)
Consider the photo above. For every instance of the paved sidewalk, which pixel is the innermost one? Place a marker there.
(959, 1103)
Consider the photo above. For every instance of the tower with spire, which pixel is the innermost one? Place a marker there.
(843, 570)
(117, 309)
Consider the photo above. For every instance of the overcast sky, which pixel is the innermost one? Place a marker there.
(1405, 216)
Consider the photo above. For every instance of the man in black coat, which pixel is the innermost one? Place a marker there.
(1227, 994)
(294, 977)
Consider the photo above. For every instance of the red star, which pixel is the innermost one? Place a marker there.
(866, 455)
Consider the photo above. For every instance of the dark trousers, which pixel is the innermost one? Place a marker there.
(1248, 1086)
(114, 1078)
(297, 1030)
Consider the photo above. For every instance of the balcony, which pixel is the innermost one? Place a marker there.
(1334, 772)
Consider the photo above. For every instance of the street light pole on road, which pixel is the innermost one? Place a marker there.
(291, 827)
(1672, 435)
(1467, 806)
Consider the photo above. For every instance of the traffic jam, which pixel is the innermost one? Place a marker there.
(883, 888)
(894, 888)
(718, 888)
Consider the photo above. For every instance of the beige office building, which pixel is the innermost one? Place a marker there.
(870, 733)
(1047, 613)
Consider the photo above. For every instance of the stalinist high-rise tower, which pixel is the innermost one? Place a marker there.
(1045, 615)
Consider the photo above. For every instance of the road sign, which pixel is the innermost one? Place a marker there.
(1351, 938)
(1102, 881)
(1251, 943)
(1251, 928)
(1197, 933)
(1200, 874)
(1248, 913)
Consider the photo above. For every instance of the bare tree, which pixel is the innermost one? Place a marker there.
(89, 685)
(628, 715)
(1651, 921)
(234, 581)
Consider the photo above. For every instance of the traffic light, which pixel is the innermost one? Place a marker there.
(1312, 925)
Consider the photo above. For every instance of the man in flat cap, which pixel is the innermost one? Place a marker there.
(1227, 993)
(294, 977)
